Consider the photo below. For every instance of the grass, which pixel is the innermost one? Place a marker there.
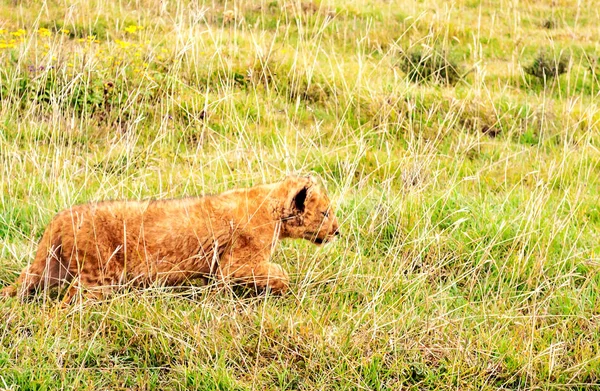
(470, 212)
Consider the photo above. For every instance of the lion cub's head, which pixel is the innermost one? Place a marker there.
(307, 211)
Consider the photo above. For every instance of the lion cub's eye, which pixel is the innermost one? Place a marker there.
(325, 214)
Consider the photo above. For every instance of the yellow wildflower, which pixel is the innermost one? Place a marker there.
(132, 29)
(44, 32)
(18, 33)
(123, 44)
(65, 31)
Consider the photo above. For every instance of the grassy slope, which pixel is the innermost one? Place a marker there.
(468, 260)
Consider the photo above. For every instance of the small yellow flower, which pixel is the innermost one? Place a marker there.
(122, 44)
(69, 64)
(18, 33)
(65, 31)
(132, 29)
(44, 32)
(2, 31)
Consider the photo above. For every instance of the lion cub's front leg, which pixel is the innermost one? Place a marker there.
(272, 276)
(249, 265)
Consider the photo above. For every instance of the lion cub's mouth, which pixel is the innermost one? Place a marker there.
(314, 238)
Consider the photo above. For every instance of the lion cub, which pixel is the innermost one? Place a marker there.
(230, 236)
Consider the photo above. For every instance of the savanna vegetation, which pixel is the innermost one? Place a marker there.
(459, 139)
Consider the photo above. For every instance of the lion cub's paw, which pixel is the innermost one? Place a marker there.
(272, 277)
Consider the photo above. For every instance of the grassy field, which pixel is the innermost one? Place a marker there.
(468, 200)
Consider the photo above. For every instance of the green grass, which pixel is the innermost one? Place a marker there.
(470, 212)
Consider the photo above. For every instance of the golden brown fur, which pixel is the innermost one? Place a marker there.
(229, 236)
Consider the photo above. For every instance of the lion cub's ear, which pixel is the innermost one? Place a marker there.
(299, 189)
(299, 202)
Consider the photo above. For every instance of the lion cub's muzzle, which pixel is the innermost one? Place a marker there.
(328, 238)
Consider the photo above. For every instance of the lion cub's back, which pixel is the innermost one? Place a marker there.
(117, 216)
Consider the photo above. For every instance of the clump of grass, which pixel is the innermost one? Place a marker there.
(431, 65)
(263, 71)
(309, 92)
(549, 24)
(593, 64)
(547, 66)
(414, 175)
(191, 112)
